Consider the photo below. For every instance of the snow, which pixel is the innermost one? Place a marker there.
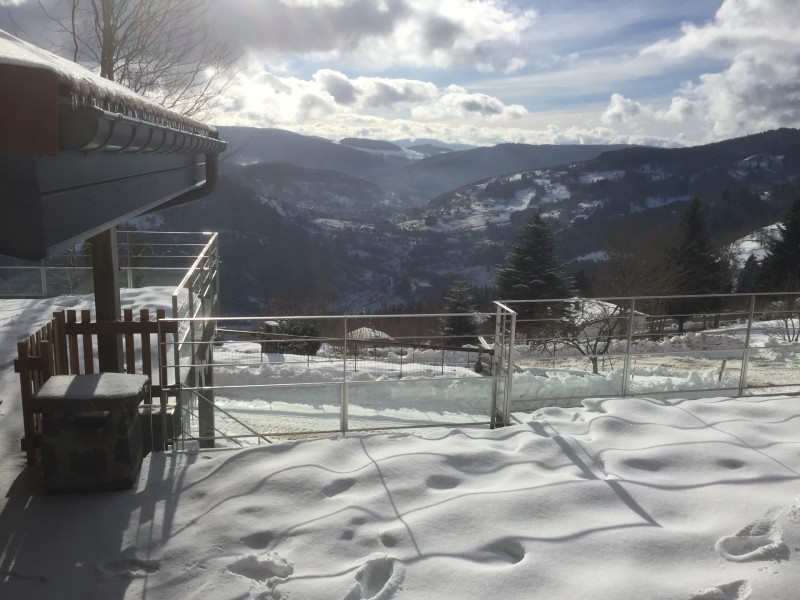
(756, 162)
(596, 176)
(641, 497)
(87, 87)
(480, 212)
(756, 243)
(657, 202)
(655, 172)
(597, 256)
(554, 192)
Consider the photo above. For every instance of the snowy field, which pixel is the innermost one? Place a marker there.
(635, 498)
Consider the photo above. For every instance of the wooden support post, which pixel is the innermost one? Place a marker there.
(105, 274)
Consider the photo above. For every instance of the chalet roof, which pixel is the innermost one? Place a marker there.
(37, 84)
(80, 154)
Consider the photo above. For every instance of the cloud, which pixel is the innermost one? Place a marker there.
(756, 27)
(456, 102)
(622, 111)
(391, 109)
(397, 93)
(294, 103)
(337, 85)
(759, 89)
(381, 34)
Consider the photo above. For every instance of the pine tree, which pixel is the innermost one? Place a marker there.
(459, 329)
(533, 271)
(747, 281)
(780, 269)
(301, 336)
(698, 267)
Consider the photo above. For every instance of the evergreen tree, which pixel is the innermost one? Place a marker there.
(780, 269)
(698, 267)
(295, 336)
(583, 285)
(532, 270)
(459, 330)
(747, 282)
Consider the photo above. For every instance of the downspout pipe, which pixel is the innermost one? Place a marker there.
(212, 174)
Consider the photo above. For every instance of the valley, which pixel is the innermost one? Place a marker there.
(311, 225)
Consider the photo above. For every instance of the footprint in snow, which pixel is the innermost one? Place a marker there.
(390, 537)
(379, 578)
(442, 482)
(258, 540)
(338, 486)
(129, 568)
(644, 464)
(505, 550)
(736, 590)
(761, 540)
(262, 568)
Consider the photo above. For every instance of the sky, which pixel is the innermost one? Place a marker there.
(482, 72)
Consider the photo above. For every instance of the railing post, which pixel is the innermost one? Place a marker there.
(215, 252)
(746, 351)
(128, 258)
(510, 374)
(495, 365)
(161, 342)
(343, 416)
(44, 279)
(626, 372)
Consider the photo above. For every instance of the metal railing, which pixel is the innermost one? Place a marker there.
(349, 373)
(146, 258)
(249, 378)
(570, 349)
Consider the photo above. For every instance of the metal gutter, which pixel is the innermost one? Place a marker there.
(94, 129)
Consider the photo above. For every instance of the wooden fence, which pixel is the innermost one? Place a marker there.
(66, 346)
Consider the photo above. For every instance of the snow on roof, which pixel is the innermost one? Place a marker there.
(365, 333)
(599, 309)
(87, 89)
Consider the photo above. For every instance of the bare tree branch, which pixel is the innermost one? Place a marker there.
(160, 49)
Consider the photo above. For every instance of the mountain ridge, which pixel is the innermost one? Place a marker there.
(287, 229)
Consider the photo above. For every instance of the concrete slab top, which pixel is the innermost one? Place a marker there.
(100, 391)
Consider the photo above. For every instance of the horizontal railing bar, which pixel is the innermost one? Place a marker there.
(654, 298)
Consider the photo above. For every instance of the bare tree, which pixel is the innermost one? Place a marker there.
(590, 326)
(637, 261)
(160, 49)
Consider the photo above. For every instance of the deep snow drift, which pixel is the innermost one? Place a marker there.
(626, 498)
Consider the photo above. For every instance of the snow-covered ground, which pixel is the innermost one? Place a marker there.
(641, 497)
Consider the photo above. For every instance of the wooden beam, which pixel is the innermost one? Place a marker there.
(105, 273)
